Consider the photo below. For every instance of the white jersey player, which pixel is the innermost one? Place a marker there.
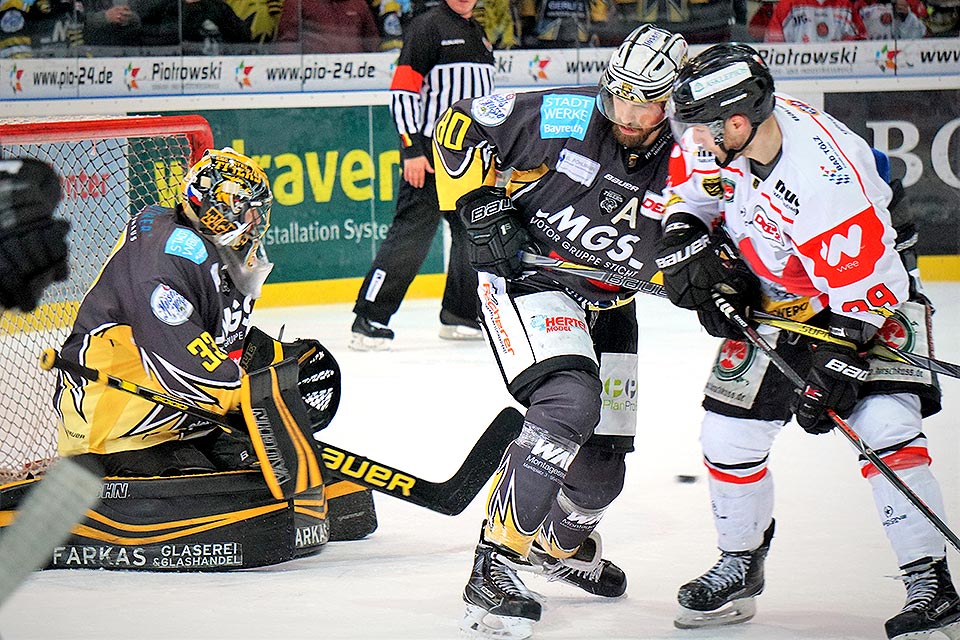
(800, 197)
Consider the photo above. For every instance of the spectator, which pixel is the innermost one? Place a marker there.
(327, 26)
(110, 23)
(156, 23)
(567, 23)
(499, 22)
(757, 25)
(209, 23)
(262, 16)
(53, 27)
(943, 18)
(884, 20)
(814, 21)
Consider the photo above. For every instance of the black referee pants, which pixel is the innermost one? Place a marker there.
(402, 254)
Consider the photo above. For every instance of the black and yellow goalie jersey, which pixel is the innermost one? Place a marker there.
(163, 314)
(582, 196)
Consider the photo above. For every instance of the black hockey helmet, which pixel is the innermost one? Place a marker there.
(724, 80)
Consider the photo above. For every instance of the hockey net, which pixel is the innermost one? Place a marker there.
(110, 168)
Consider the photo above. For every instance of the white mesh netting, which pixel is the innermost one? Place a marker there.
(109, 169)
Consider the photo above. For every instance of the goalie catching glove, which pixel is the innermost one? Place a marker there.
(694, 265)
(496, 236)
(836, 374)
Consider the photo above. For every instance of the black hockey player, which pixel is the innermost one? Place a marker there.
(33, 244)
(170, 307)
(588, 168)
(818, 246)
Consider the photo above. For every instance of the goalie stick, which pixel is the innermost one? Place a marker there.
(652, 288)
(450, 497)
(44, 520)
(759, 342)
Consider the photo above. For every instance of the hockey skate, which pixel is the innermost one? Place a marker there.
(454, 327)
(725, 594)
(370, 336)
(585, 569)
(932, 603)
(498, 603)
(459, 332)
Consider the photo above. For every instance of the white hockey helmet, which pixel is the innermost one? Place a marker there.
(227, 197)
(642, 69)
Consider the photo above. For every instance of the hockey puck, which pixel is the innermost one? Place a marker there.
(686, 479)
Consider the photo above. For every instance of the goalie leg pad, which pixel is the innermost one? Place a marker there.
(350, 510)
(279, 428)
(212, 522)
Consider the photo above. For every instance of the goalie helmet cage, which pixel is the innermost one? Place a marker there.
(110, 168)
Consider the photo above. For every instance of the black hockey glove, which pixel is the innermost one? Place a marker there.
(835, 376)
(33, 246)
(496, 236)
(694, 265)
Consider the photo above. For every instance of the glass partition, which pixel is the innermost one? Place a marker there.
(124, 28)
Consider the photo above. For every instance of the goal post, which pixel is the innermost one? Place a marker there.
(110, 168)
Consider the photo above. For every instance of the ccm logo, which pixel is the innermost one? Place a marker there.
(847, 370)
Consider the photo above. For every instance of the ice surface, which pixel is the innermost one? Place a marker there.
(421, 407)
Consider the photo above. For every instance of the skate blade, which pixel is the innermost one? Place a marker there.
(735, 612)
(479, 623)
(951, 631)
(359, 342)
(459, 332)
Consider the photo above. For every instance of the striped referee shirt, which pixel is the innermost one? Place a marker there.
(445, 58)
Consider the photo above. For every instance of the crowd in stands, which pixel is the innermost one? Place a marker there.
(58, 28)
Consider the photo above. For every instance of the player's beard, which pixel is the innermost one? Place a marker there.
(637, 140)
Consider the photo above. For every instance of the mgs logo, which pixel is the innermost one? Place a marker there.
(898, 332)
(734, 360)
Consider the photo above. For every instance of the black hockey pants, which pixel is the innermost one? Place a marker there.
(402, 254)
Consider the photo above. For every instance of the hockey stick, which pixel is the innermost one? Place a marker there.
(449, 497)
(878, 349)
(600, 275)
(644, 286)
(44, 520)
(759, 342)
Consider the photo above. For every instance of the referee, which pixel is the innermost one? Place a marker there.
(445, 58)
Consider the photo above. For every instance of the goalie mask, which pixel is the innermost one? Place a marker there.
(227, 198)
